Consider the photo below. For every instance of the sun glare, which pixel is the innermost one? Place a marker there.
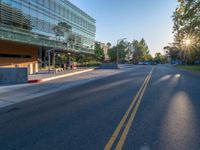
(187, 42)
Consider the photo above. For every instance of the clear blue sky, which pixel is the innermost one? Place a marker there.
(133, 19)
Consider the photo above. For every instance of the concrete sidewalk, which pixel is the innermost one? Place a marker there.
(17, 93)
(44, 76)
(10, 95)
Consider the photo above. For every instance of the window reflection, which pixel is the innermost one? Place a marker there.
(41, 16)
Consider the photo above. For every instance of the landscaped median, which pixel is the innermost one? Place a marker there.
(58, 76)
(195, 68)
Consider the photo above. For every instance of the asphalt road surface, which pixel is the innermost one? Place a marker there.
(145, 108)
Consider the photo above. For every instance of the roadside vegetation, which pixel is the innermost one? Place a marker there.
(186, 46)
(131, 52)
(189, 67)
(82, 60)
(135, 52)
(122, 49)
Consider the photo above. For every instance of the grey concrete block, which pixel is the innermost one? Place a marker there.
(13, 75)
(109, 66)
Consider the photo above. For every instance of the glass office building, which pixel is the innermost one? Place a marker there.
(50, 23)
(44, 23)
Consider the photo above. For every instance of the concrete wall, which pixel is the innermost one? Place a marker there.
(13, 75)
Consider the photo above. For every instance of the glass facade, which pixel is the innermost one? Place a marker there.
(48, 23)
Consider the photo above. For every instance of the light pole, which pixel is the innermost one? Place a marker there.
(117, 61)
(69, 61)
(49, 59)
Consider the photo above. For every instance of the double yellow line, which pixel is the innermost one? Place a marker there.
(128, 118)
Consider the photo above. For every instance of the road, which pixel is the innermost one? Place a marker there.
(143, 108)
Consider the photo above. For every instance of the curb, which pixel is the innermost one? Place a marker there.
(188, 71)
(34, 81)
(59, 76)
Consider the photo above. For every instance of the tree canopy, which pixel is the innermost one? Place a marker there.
(186, 31)
(141, 52)
(99, 53)
(159, 58)
(112, 53)
(135, 50)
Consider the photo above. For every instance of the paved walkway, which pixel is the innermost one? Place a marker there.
(46, 74)
(17, 93)
(43, 76)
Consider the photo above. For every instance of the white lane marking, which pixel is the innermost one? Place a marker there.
(145, 148)
(178, 75)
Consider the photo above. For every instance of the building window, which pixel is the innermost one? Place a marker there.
(8, 2)
(46, 4)
(52, 5)
(57, 8)
(41, 2)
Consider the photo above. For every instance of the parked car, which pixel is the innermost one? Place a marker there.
(149, 63)
(140, 63)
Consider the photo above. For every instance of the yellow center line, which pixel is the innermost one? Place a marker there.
(130, 121)
(123, 120)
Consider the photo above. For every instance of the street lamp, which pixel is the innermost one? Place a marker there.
(117, 61)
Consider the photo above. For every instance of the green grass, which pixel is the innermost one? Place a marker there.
(189, 67)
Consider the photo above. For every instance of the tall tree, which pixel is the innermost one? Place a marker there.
(99, 53)
(186, 20)
(140, 50)
(112, 53)
(159, 58)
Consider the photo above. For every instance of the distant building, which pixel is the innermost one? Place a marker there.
(28, 28)
(105, 48)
